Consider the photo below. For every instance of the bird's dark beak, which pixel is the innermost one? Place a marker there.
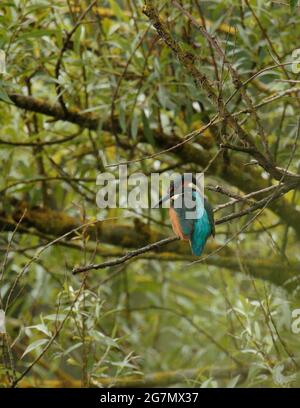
(162, 200)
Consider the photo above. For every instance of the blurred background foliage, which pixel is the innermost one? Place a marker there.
(88, 85)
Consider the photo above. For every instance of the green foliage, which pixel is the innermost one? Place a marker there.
(293, 4)
(158, 313)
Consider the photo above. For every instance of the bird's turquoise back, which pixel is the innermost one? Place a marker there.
(202, 230)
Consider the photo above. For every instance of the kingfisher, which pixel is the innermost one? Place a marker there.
(190, 213)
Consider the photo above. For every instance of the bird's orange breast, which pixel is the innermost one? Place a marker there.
(176, 225)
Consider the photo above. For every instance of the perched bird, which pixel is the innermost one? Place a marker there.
(190, 213)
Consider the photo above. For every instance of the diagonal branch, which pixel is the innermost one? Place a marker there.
(188, 62)
(124, 258)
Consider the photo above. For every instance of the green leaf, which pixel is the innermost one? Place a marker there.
(233, 382)
(42, 328)
(147, 130)
(162, 96)
(134, 125)
(34, 346)
(122, 116)
(72, 348)
(77, 38)
(4, 97)
(57, 317)
(293, 4)
(100, 337)
(118, 12)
